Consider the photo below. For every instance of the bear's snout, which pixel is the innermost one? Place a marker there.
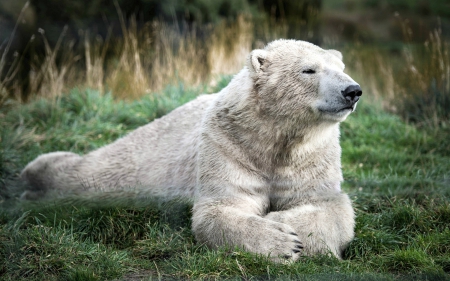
(352, 93)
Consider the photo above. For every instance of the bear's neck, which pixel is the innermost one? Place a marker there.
(264, 139)
(271, 141)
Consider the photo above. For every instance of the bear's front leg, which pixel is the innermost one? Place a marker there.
(237, 222)
(325, 224)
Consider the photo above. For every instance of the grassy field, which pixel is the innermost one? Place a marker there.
(396, 174)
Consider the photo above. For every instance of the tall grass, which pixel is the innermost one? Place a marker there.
(412, 81)
(7, 74)
(49, 77)
(138, 62)
(160, 54)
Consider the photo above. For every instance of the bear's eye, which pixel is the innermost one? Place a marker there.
(309, 71)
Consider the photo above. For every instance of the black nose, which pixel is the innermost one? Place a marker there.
(352, 93)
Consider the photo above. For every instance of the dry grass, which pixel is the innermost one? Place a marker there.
(48, 78)
(143, 60)
(414, 82)
(140, 60)
(7, 74)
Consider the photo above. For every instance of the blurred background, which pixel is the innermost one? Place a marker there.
(398, 50)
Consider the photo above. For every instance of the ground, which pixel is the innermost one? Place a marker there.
(396, 174)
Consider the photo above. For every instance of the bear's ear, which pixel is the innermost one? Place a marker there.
(335, 53)
(256, 60)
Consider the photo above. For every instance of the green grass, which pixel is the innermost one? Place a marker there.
(396, 174)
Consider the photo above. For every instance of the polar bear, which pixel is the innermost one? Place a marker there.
(260, 159)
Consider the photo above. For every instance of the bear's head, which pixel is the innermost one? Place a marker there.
(302, 81)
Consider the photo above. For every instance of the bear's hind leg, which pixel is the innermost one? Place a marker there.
(49, 172)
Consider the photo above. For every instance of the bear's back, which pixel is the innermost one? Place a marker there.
(164, 152)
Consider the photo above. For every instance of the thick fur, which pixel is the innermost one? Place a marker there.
(261, 159)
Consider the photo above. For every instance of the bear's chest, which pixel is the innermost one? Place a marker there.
(293, 183)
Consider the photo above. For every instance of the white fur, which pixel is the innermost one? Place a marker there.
(261, 159)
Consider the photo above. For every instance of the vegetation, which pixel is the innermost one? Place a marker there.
(147, 57)
(396, 156)
(396, 174)
(412, 81)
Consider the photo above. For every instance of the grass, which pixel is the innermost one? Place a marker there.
(137, 62)
(396, 174)
(410, 79)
